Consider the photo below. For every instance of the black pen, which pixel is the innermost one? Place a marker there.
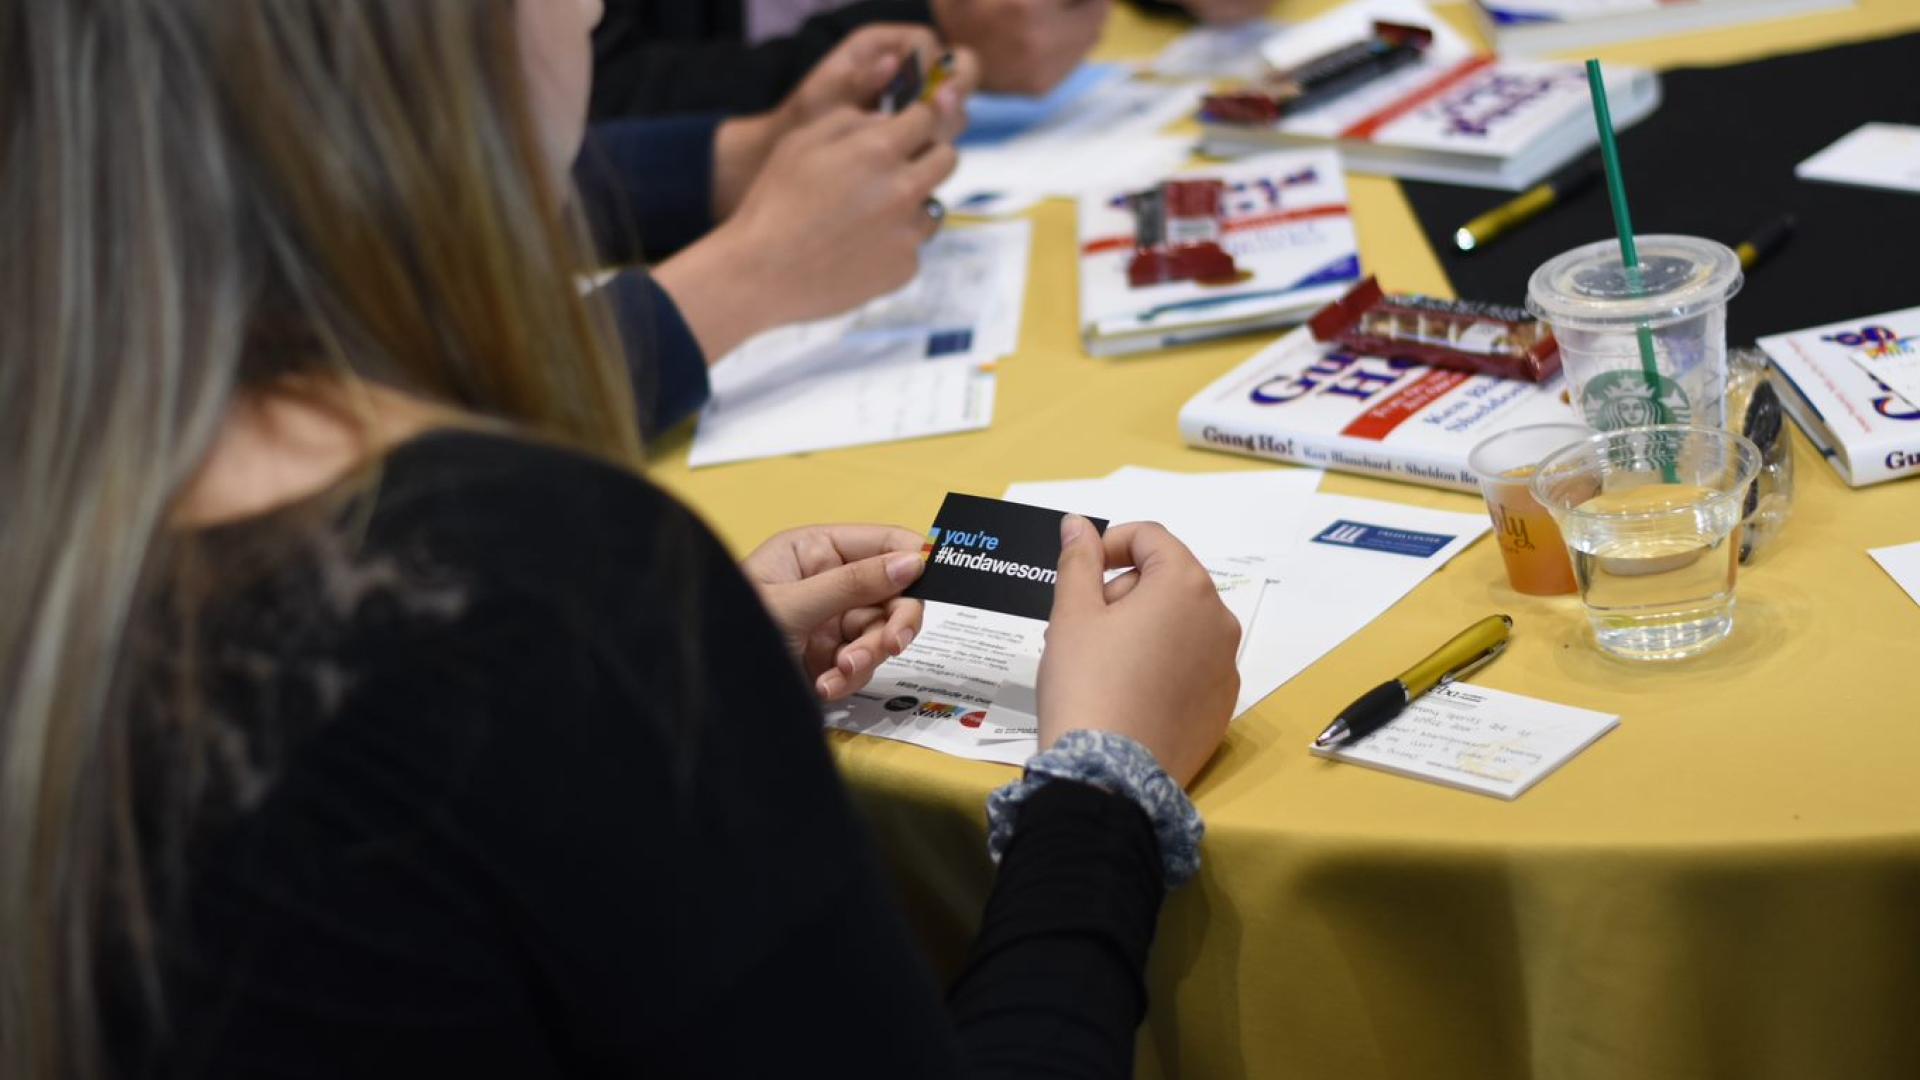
(1473, 647)
(1765, 240)
(1529, 204)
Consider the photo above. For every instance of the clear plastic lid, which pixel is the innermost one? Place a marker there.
(1589, 288)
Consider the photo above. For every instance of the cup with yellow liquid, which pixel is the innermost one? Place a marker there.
(1530, 544)
(1651, 517)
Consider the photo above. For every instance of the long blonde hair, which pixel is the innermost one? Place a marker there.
(196, 197)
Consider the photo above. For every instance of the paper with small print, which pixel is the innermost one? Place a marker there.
(1477, 739)
(940, 692)
(914, 363)
(1902, 563)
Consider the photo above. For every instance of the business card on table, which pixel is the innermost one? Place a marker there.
(1902, 564)
(1000, 556)
(1873, 155)
(1476, 739)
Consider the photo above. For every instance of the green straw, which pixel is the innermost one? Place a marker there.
(1623, 224)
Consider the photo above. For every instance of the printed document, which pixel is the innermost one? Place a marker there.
(914, 363)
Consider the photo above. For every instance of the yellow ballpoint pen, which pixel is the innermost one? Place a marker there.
(1529, 204)
(1466, 653)
(1766, 240)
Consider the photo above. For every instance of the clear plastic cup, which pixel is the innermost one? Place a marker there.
(1652, 518)
(1530, 543)
(1598, 312)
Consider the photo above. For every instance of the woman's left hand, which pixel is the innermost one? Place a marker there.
(834, 591)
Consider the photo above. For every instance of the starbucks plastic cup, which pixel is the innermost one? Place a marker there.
(1598, 312)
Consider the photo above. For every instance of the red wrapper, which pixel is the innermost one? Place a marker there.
(1460, 335)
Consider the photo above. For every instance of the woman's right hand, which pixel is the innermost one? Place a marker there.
(835, 218)
(851, 77)
(840, 210)
(1149, 655)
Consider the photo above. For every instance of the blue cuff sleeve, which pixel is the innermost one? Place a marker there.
(664, 361)
(1116, 764)
(646, 186)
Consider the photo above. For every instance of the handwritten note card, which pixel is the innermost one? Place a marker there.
(1476, 739)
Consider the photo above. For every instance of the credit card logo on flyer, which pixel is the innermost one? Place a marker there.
(1355, 534)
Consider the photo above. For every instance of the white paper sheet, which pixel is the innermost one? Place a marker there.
(1477, 739)
(1116, 108)
(1872, 155)
(1902, 563)
(1108, 135)
(1319, 595)
(1217, 52)
(915, 363)
(999, 180)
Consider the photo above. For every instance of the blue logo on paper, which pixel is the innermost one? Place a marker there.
(1353, 534)
(947, 342)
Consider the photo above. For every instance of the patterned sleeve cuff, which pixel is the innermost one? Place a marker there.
(1112, 763)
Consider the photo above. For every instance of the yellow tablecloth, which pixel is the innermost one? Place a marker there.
(1728, 885)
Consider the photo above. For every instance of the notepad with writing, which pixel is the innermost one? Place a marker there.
(1477, 739)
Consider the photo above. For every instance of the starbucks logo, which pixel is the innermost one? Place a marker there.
(1627, 399)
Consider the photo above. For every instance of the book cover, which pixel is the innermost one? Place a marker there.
(1528, 26)
(1319, 405)
(1284, 220)
(1455, 116)
(1866, 431)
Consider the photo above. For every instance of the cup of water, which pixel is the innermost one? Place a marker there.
(1651, 517)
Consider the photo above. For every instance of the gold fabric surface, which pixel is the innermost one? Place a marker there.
(1727, 885)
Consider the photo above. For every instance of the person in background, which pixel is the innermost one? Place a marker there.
(800, 212)
(364, 712)
(1210, 12)
(657, 57)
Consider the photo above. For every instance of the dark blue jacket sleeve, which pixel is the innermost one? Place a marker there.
(646, 186)
(664, 361)
(660, 57)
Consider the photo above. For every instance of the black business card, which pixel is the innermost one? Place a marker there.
(1001, 556)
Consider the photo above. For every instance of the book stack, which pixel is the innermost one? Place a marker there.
(1865, 429)
(1322, 406)
(1281, 219)
(1528, 27)
(1455, 116)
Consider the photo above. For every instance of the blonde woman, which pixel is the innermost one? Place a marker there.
(363, 712)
